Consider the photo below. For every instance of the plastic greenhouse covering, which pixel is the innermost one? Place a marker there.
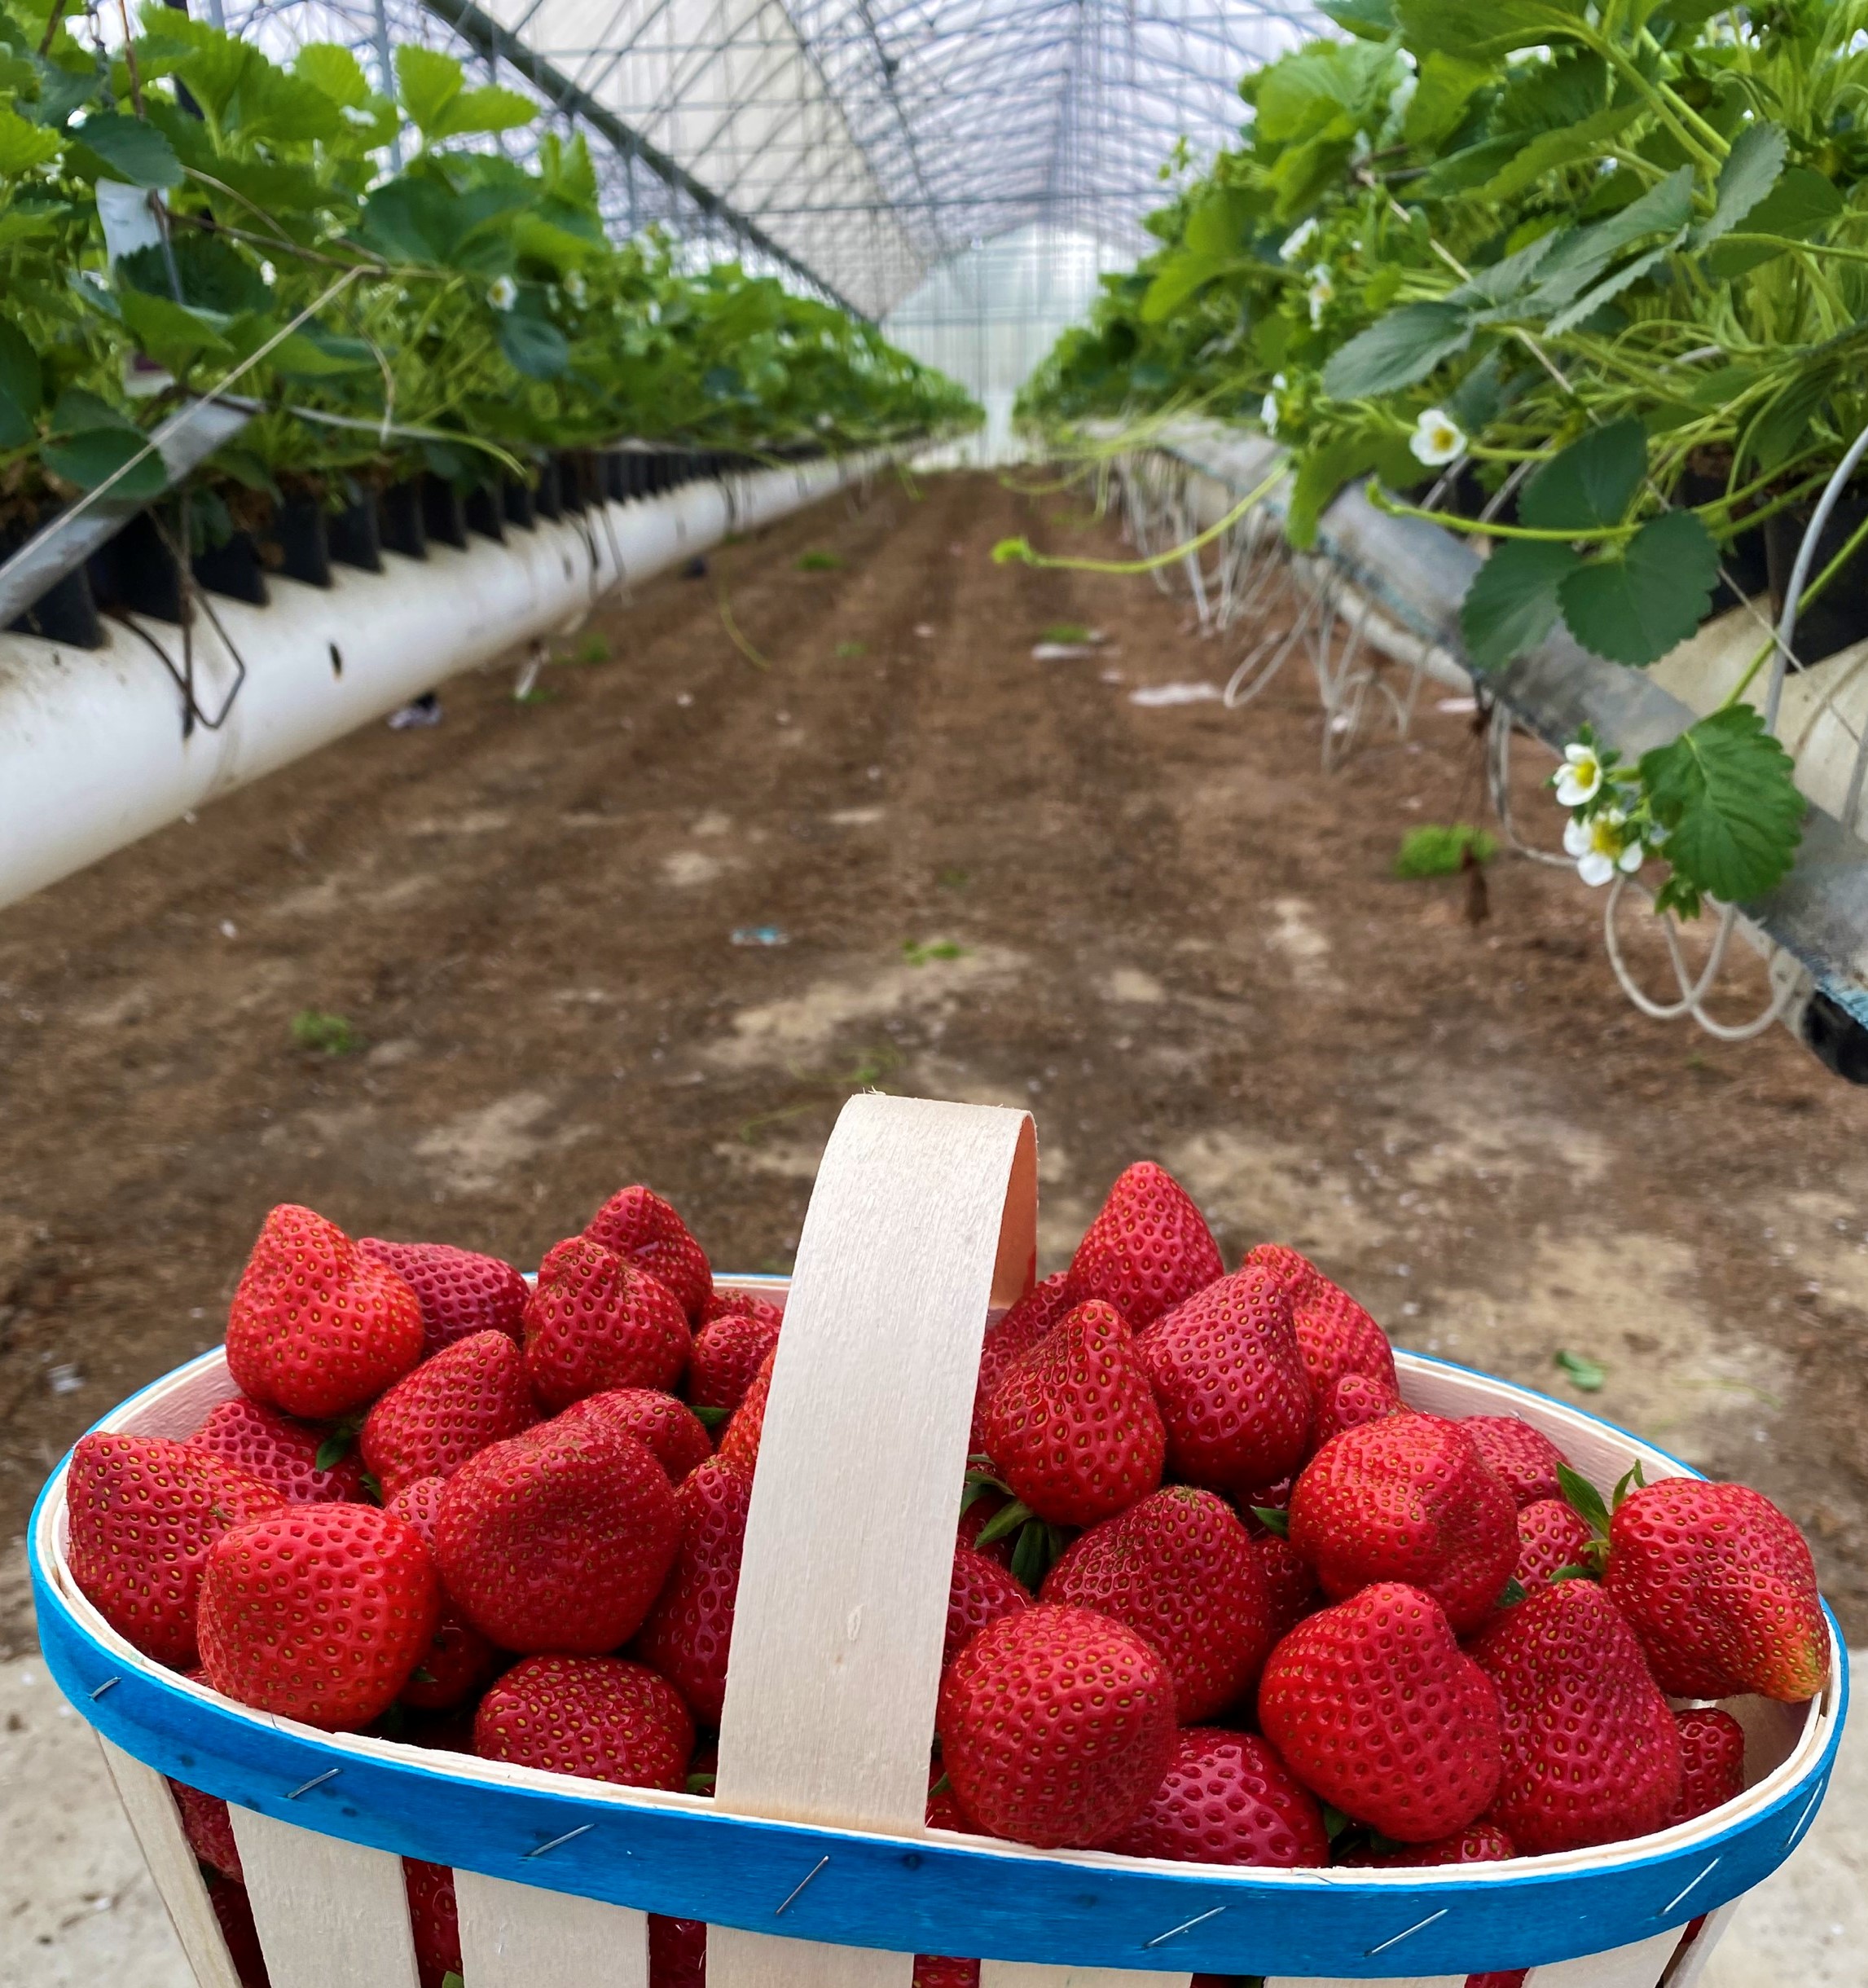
(961, 170)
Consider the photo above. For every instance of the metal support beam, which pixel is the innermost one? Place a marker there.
(489, 39)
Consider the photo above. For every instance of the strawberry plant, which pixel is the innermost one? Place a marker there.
(187, 215)
(1595, 278)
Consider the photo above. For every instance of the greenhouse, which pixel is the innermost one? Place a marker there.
(1133, 736)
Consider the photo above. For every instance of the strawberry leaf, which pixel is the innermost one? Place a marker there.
(1003, 1524)
(451, 1979)
(1039, 1545)
(943, 1786)
(373, 1489)
(1584, 1500)
(708, 1416)
(1631, 1480)
(1574, 1573)
(421, 1674)
(1273, 1519)
(1334, 1821)
(700, 1784)
(1514, 1592)
(333, 1451)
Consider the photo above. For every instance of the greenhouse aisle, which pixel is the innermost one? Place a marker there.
(660, 918)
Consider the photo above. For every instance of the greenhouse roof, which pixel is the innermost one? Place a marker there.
(860, 143)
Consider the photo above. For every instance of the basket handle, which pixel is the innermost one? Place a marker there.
(924, 1215)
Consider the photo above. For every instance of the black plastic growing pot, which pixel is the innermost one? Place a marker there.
(300, 539)
(136, 573)
(516, 501)
(486, 512)
(65, 611)
(1839, 616)
(1743, 559)
(615, 475)
(548, 492)
(355, 535)
(403, 528)
(232, 568)
(444, 516)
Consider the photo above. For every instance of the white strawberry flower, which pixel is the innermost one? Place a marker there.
(1267, 407)
(1295, 243)
(1437, 439)
(1580, 777)
(1601, 845)
(502, 293)
(1321, 293)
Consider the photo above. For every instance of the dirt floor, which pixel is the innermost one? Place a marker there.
(993, 877)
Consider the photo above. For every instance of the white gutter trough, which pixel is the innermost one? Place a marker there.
(94, 754)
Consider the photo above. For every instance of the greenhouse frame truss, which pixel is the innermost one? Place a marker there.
(854, 146)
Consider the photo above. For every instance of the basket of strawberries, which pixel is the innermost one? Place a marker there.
(913, 1624)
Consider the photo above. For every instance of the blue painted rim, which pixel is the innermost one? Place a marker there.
(680, 1857)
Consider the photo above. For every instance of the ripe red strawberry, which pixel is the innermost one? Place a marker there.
(601, 1716)
(1551, 1534)
(1229, 1379)
(1711, 1760)
(434, 1919)
(460, 1291)
(1148, 1248)
(1014, 1336)
(473, 1393)
(1337, 1337)
(740, 1441)
(144, 1513)
(943, 1971)
(1719, 1586)
(980, 1592)
(1055, 1727)
(1379, 1712)
(279, 1452)
(1504, 1978)
(1291, 1592)
(1352, 1400)
(642, 1228)
(677, 1952)
(1179, 1569)
(558, 1539)
(1480, 1842)
(669, 1427)
(319, 1612)
(233, 1910)
(729, 1351)
(1524, 1459)
(317, 1328)
(1296, 1273)
(1407, 1499)
(595, 1322)
(209, 1831)
(1591, 1754)
(459, 1660)
(689, 1633)
(1073, 1429)
(747, 1304)
(1227, 1798)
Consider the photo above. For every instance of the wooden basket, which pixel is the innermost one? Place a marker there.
(811, 1863)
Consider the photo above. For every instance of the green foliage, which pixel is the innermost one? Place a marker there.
(1722, 791)
(1435, 849)
(818, 562)
(1611, 246)
(324, 1035)
(467, 296)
